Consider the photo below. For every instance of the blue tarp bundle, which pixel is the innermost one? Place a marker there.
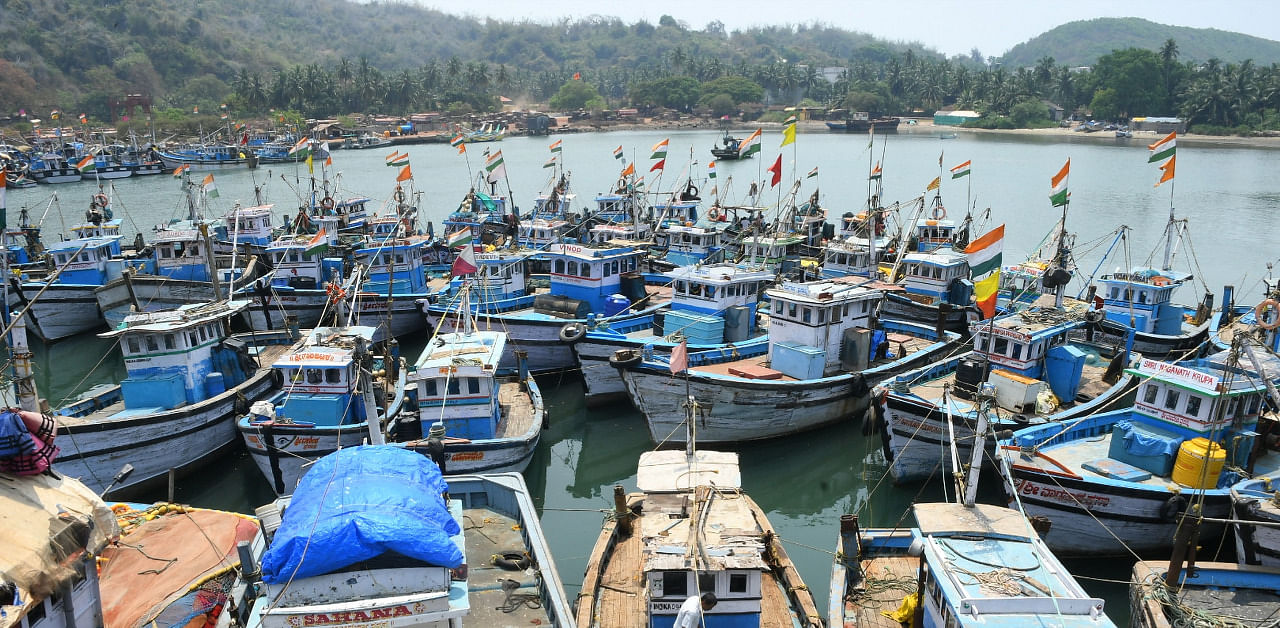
(1140, 442)
(358, 503)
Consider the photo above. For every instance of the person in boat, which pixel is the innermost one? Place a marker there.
(690, 615)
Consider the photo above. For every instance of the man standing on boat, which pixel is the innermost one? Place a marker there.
(690, 615)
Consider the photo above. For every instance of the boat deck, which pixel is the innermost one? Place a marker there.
(517, 411)
(1091, 387)
(1073, 455)
(889, 579)
(117, 412)
(900, 345)
(489, 533)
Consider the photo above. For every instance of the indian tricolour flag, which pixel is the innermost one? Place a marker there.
(1059, 195)
(495, 167)
(209, 188)
(300, 146)
(962, 170)
(750, 146)
(985, 255)
(87, 164)
(660, 150)
(617, 153)
(556, 146)
(711, 170)
(398, 159)
(461, 237)
(317, 244)
(1164, 153)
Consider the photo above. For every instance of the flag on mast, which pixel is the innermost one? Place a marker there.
(788, 132)
(776, 169)
(679, 357)
(1060, 195)
(962, 170)
(1164, 152)
(750, 146)
(985, 255)
(208, 187)
(660, 150)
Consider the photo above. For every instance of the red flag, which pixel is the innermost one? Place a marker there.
(661, 164)
(776, 169)
(577, 76)
(464, 263)
(680, 357)
(244, 139)
(405, 174)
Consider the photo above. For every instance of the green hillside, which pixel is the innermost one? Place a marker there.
(1081, 43)
(191, 52)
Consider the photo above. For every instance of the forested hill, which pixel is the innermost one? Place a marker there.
(1081, 43)
(186, 51)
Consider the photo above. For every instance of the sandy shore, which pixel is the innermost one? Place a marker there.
(925, 126)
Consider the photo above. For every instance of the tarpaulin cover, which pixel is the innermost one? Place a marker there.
(1140, 442)
(359, 503)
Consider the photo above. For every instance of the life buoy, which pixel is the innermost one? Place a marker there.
(398, 195)
(939, 212)
(572, 332)
(1259, 314)
(625, 358)
(326, 203)
(1159, 280)
(515, 560)
(714, 214)
(100, 200)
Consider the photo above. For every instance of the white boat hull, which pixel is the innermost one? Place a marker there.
(153, 443)
(62, 311)
(539, 339)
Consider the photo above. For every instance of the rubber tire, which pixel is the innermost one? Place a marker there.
(512, 560)
(572, 332)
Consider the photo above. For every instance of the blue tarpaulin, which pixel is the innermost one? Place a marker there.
(1141, 442)
(359, 503)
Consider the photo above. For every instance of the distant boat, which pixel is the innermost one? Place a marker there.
(368, 140)
(862, 122)
(947, 136)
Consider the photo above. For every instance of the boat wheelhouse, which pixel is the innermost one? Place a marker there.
(351, 213)
(320, 406)
(1025, 368)
(688, 244)
(586, 283)
(175, 409)
(1120, 481)
(1142, 299)
(849, 258)
(486, 216)
(931, 235)
(713, 306)
(955, 556)
(937, 288)
(824, 351)
(690, 530)
(296, 287)
(778, 253)
(619, 207)
(248, 224)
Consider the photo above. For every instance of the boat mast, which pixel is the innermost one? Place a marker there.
(1060, 256)
(24, 381)
(1168, 231)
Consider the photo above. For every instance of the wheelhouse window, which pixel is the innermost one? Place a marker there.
(333, 376)
(675, 583)
(1193, 405)
(1171, 399)
(1149, 395)
(473, 385)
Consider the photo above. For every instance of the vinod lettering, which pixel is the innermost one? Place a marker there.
(330, 619)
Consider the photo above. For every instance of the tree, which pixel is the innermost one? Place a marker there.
(739, 88)
(722, 105)
(577, 95)
(1105, 104)
(675, 92)
(1133, 75)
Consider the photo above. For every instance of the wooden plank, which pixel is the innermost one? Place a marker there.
(865, 609)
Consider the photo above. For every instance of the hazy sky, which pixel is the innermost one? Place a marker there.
(949, 26)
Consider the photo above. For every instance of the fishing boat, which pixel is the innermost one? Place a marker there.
(587, 282)
(1202, 594)
(63, 304)
(1025, 364)
(936, 286)
(366, 141)
(369, 536)
(861, 122)
(199, 579)
(486, 216)
(1142, 299)
(550, 220)
(486, 420)
(729, 148)
(208, 158)
(53, 530)
(823, 354)
(488, 132)
(186, 379)
(1123, 481)
(1256, 512)
(713, 307)
(689, 531)
(962, 565)
(322, 405)
(298, 285)
(53, 168)
(395, 279)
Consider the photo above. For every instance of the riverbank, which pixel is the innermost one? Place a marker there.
(925, 126)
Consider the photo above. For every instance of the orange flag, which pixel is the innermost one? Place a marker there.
(405, 174)
(629, 170)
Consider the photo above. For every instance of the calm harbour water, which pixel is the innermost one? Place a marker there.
(804, 482)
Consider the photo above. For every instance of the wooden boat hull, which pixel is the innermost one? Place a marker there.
(1256, 544)
(154, 293)
(1190, 344)
(56, 175)
(154, 443)
(734, 409)
(108, 173)
(63, 310)
(898, 306)
(1248, 593)
(172, 161)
